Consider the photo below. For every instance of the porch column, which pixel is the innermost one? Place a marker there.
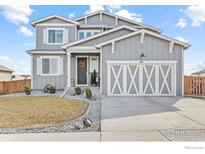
(68, 70)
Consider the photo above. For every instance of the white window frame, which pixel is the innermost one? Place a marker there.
(97, 63)
(54, 28)
(88, 30)
(50, 57)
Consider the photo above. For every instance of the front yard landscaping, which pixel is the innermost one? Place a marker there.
(35, 111)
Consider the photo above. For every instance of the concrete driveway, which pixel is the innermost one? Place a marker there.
(153, 118)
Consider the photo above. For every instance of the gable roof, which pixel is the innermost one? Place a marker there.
(119, 17)
(5, 69)
(199, 72)
(98, 35)
(185, 45)
(33, 23)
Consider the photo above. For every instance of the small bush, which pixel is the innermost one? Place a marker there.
(78, 90)
(52, 90)
(27, 89)
(88, 92)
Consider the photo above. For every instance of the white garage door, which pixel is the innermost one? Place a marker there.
(135, 78)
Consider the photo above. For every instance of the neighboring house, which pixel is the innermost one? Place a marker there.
(20, 77)
(5, 73)
(130, 58)
(199, 73)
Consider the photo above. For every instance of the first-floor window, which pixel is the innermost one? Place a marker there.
(50, 66)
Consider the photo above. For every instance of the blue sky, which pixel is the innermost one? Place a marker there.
(182, 22)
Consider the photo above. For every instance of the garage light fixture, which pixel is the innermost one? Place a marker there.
(142, 57)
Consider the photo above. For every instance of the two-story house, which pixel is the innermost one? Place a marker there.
(130, 58)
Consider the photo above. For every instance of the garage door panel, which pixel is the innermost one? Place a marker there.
(141, 79)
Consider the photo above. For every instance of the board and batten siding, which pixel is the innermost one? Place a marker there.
(130, 49)
(41, 45)
(105, 37)
(106, 20)
(40, 81)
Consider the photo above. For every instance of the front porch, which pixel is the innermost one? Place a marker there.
(82, 67)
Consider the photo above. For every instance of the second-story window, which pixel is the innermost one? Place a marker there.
(55, 36)
(85, 33)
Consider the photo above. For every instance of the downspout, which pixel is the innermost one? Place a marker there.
(68, 85)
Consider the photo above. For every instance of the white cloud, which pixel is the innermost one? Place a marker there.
(32, 45)
(196, 14)
(113, 8)
(17, 13)
(93, 8)
(181, 23)
(71, 15)
(191, 68)
(181, 39)
(130, 15)
(25, 31)
(5, 59)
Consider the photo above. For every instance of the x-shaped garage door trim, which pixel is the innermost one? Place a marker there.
(132, 79)
(148, 79)
(116, 79)
(165, 79)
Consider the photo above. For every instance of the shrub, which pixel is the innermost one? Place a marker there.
(52, 90)
(88, 92)
(78, 90)
(27, 89)
(93, 78)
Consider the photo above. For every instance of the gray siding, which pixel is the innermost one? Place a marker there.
(39, 37)
(40, 81)
(54, 20)
(154, 49)
(105, 37)
(106, 20)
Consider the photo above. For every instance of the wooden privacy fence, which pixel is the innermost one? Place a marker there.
(9, 87)
(194, 85)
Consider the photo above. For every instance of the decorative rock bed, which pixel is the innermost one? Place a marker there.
(92, 113)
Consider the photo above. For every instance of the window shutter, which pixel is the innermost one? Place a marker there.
(60, 65)
(45, 36)
(39, 66)
(65, 35)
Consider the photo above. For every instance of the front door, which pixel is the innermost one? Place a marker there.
(82, 71)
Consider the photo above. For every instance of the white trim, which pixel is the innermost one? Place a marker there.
(88, 30)
(76, 33)
(182, 72)
(100, 15)
(50, 57)
(156, 65)
(113, 47)
(32, 71)
(74, 51)
(101, 70)
(55, 28)
(98, 35)
(119, 17)
(54, 24)
(93, 26)
(46, 52)
(116, 21)
(76, 67)
(142, 37)
(68, 70)
(139, 62)
(33, 23)
(86, 20)
(171, 46)
(97, 71)
(186, 45)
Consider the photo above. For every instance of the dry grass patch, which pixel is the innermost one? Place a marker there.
(38, 111)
